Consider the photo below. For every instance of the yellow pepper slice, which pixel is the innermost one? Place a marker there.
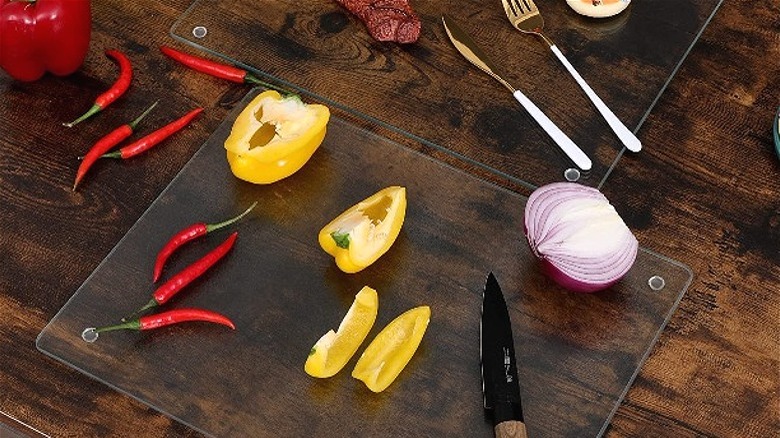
(334, 349)
(360, 235)
(391, 350)
(273, 137)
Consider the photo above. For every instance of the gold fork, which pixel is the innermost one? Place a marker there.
(525, 17)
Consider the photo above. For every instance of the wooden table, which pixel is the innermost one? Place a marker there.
(705, 191)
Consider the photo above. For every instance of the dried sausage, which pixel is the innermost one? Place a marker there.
(386, 20)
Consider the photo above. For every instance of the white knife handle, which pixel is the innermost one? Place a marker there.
(627, 137)
(564, 142)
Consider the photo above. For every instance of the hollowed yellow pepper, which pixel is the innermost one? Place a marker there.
(360, 235)
(274, 137)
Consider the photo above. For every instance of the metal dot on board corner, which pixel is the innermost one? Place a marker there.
(571, 174)
(199, 31)
(656, 282)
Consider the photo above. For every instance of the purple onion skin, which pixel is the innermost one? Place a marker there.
(570, 283)
(564, 280)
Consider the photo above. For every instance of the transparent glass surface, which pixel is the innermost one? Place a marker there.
(578, 353)
(429, 91)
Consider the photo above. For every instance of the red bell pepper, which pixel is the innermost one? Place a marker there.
(37, 36)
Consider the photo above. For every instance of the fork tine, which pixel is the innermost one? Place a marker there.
(517, 8)
(520, 7)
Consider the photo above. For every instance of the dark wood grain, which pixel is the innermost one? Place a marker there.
(704, 192)
(707, 192)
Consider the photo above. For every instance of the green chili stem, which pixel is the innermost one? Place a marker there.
(213, 227)
(115, 154)
(254, 80)
(150, 305)
(135, 122)
(134, 324)
(92, 111)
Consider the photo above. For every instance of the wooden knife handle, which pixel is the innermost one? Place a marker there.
(511, 429)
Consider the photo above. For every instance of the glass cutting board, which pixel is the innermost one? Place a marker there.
(428, 90)
(578, 353)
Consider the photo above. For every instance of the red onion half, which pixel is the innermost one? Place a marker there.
(581, 240)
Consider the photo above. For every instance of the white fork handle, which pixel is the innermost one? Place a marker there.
(627, 137)
(571, 150)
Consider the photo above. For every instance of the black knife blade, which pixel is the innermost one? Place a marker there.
(500, 385)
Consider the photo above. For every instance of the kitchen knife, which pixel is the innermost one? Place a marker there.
(469, 49)
(500, 386)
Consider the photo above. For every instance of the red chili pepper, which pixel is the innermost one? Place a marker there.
(162, 319)
(179, 281)
(188, 234)
(106, 143)
(144, 144)
(176, 316)
(216, 69)
(118, 89)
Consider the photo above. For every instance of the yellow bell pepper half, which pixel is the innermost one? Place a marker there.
(360, 235)
(274, 137)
